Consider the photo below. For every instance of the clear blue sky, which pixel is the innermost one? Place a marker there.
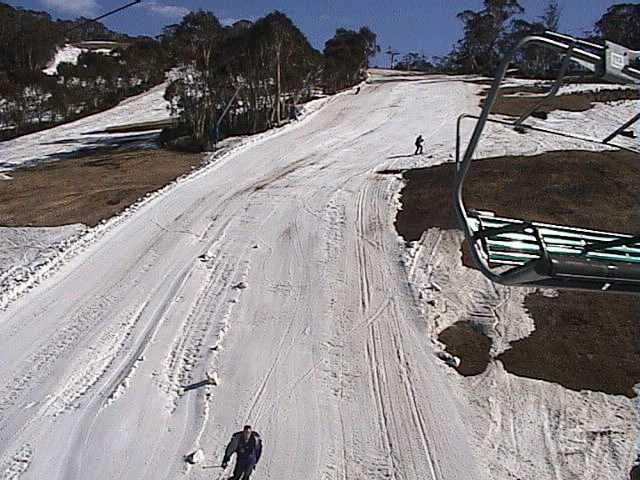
(427, 26)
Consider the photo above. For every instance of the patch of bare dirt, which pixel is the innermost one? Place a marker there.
(582, 340)
(472, 346)
(589, 189)
(88, 188)
(511, 102)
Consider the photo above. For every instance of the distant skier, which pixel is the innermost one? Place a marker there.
(247, 446)
(213, 136)
(419, 142)
(293, 112)
(357, 90)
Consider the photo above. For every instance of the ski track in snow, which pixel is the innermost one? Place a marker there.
(17, 464)
(277, 268)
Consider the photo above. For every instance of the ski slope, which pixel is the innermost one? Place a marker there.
(300, 304)
(53, 143)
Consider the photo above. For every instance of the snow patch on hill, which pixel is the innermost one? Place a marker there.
(66, 54)
(23, 247)
(53, 143)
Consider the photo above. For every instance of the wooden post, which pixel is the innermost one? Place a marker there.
(278, 113)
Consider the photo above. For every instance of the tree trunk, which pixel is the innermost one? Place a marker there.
(278, 113)
(254, 114)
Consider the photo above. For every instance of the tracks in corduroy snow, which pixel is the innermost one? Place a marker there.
(276, 270)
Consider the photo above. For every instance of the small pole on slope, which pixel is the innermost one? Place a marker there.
(392, 54)
(224, 112)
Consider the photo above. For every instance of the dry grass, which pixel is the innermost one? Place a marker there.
(582, 340)
(581, 188)
(464, 341)
(514, 106)
(89, 188)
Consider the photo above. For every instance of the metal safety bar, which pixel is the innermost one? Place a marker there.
(554, 89)
(556, 267)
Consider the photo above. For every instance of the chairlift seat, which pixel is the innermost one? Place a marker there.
(519, 253)
(545, 255)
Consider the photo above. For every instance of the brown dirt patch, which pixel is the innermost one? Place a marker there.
(590, 189)
(582, 340)
(514, 106)
(89, 188)
(468, 344)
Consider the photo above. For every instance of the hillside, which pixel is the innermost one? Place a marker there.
(52, 72)
(277, 270)
(225, 225)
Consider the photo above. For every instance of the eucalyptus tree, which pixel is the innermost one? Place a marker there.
(347, 57)
(621, 24)
(484, 35)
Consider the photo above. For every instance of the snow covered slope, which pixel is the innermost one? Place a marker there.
(19, 247)
(69, 53)
(277, 268)
(66, 54)
(46, 145)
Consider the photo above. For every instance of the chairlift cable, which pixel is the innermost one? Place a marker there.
(119, 9)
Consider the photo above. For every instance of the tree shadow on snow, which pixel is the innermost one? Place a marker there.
(87, 146)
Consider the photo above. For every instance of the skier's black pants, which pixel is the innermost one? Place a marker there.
(242, 472)
(418, 149)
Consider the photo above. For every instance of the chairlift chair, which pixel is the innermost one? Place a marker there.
(517, 252)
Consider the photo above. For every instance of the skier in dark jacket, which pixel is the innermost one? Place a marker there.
(247, 446)
(419, 142)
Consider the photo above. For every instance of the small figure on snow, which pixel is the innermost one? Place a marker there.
(214, 134)
(293, 111)
(419, 142)
(357, 90)
(247, 446)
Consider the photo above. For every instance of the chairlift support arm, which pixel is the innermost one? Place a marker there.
(554, 89)
(611, 62)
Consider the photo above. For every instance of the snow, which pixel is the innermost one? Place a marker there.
(523, 428)
(324, 346)
(565, 88)
(66, 54)
(21, 248)
(107, 348)
(593, 87)
(70, 53)
(53, 143)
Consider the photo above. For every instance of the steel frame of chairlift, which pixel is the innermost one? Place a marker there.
(544, 255)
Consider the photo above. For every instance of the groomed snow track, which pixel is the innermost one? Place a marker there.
(301, 304)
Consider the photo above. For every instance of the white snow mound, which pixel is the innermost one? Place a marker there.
(66, 54)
